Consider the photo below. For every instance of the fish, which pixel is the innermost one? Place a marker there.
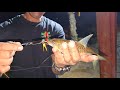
(82, 46)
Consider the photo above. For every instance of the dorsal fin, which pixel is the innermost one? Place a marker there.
(85, 40)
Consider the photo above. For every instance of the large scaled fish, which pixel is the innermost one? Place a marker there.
(81, 46)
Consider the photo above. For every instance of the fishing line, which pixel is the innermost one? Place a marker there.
(24, 69)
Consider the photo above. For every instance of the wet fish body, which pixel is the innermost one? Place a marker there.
(81, 46)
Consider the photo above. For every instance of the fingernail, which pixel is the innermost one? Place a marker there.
(20, 48)
(64, 45)
(71, 43)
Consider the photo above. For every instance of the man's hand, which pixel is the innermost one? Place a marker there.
(70, 55)
(7, 51)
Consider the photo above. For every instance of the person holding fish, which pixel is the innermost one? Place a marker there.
(45, 60)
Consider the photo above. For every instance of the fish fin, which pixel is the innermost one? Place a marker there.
(96, 61)
(94, 64)
(85, 40)
(101, 57)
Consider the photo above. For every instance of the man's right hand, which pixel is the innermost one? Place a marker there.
(7, 51)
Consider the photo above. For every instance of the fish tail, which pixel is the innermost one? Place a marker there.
(96, 61)
(101, 57)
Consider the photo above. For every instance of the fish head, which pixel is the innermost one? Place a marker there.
(56, 43)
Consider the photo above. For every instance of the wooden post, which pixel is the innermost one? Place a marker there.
(106, 33)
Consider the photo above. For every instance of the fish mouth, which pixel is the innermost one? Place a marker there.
(49, 43)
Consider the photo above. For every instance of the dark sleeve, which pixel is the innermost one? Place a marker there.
(3, 32)
(2, 29)
(3, 26)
